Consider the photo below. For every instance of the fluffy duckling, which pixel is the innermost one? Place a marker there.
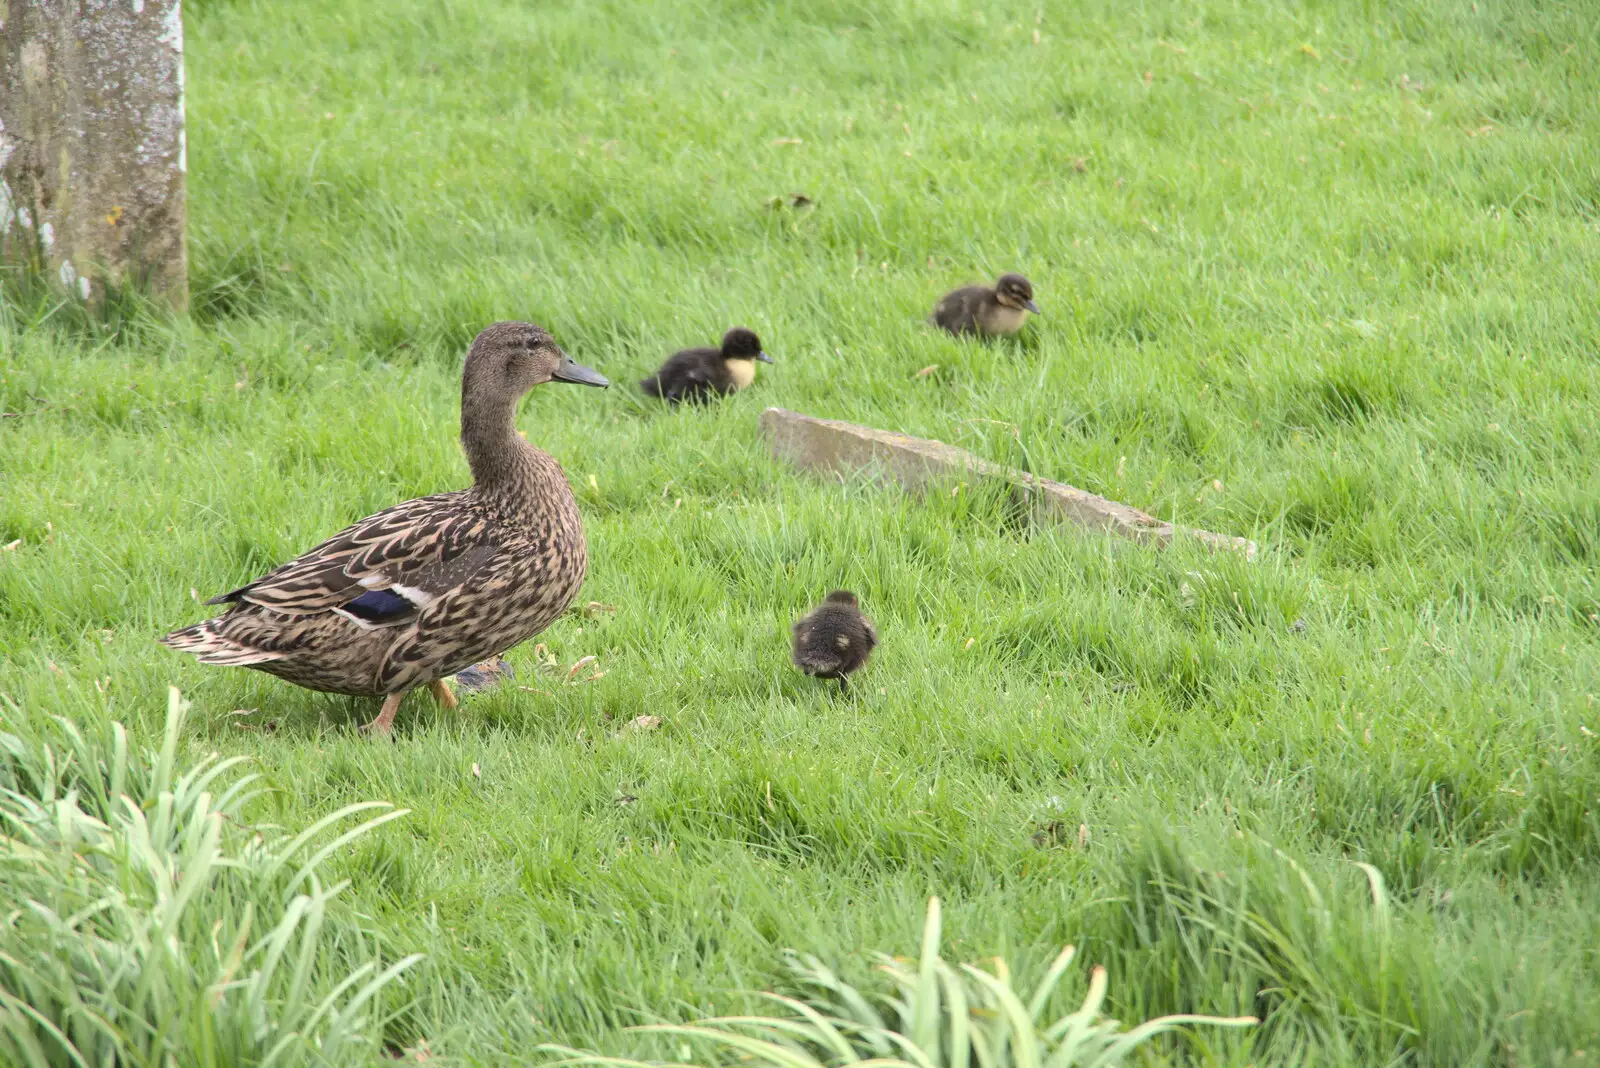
(414, 594)
(834, 640)
(997, 311)
(699, 374)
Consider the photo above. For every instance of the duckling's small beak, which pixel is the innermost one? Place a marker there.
(1031, 306)
(763, 357)
(579, 374)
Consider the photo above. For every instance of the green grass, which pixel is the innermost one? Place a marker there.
(1323, 275)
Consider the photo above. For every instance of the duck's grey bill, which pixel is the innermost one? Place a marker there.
(1031, 306)
(763, 357)
(579, 374)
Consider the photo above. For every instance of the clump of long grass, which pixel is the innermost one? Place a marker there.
(938, 1015)
(144, 922)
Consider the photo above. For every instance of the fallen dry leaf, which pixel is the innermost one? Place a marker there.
(926, 371)
(10, 546)
(644, 723)
(582, 663)
(970, 643)
(787, 141)
(476, 773)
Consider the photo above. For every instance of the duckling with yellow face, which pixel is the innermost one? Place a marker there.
(700, 374)
(990, 312)
(835, 639)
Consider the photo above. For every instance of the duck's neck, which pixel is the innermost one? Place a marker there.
(741, 372)
(498, 458)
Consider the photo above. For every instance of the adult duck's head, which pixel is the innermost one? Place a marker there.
(508, 359)
(505, 361)
(1015, 291)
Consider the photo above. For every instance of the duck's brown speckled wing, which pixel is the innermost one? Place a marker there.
(957, 310)
(383, 570)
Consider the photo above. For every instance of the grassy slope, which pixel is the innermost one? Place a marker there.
(1290, 292)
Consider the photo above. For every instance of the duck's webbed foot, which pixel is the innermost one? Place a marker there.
(444, 694)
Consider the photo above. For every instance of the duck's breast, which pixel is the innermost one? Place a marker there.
(527, 584)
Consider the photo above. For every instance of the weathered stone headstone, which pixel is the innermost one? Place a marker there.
(919, 464)
(92, 156)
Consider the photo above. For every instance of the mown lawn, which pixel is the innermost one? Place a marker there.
(1320, 273)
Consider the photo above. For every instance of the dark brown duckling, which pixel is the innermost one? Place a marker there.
(992, 312)
(700, 374)
(834, 640)
(410, 596)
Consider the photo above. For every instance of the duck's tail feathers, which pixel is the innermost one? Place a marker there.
(212, 647)
(652, 385)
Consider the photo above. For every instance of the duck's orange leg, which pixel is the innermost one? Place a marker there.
(443, 694)
(382, 726)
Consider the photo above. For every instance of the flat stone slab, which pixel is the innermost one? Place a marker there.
(918, 464)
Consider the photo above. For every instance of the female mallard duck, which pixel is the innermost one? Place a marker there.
(411, 595)
(700, 374)
(983, 310)
(835, 639)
